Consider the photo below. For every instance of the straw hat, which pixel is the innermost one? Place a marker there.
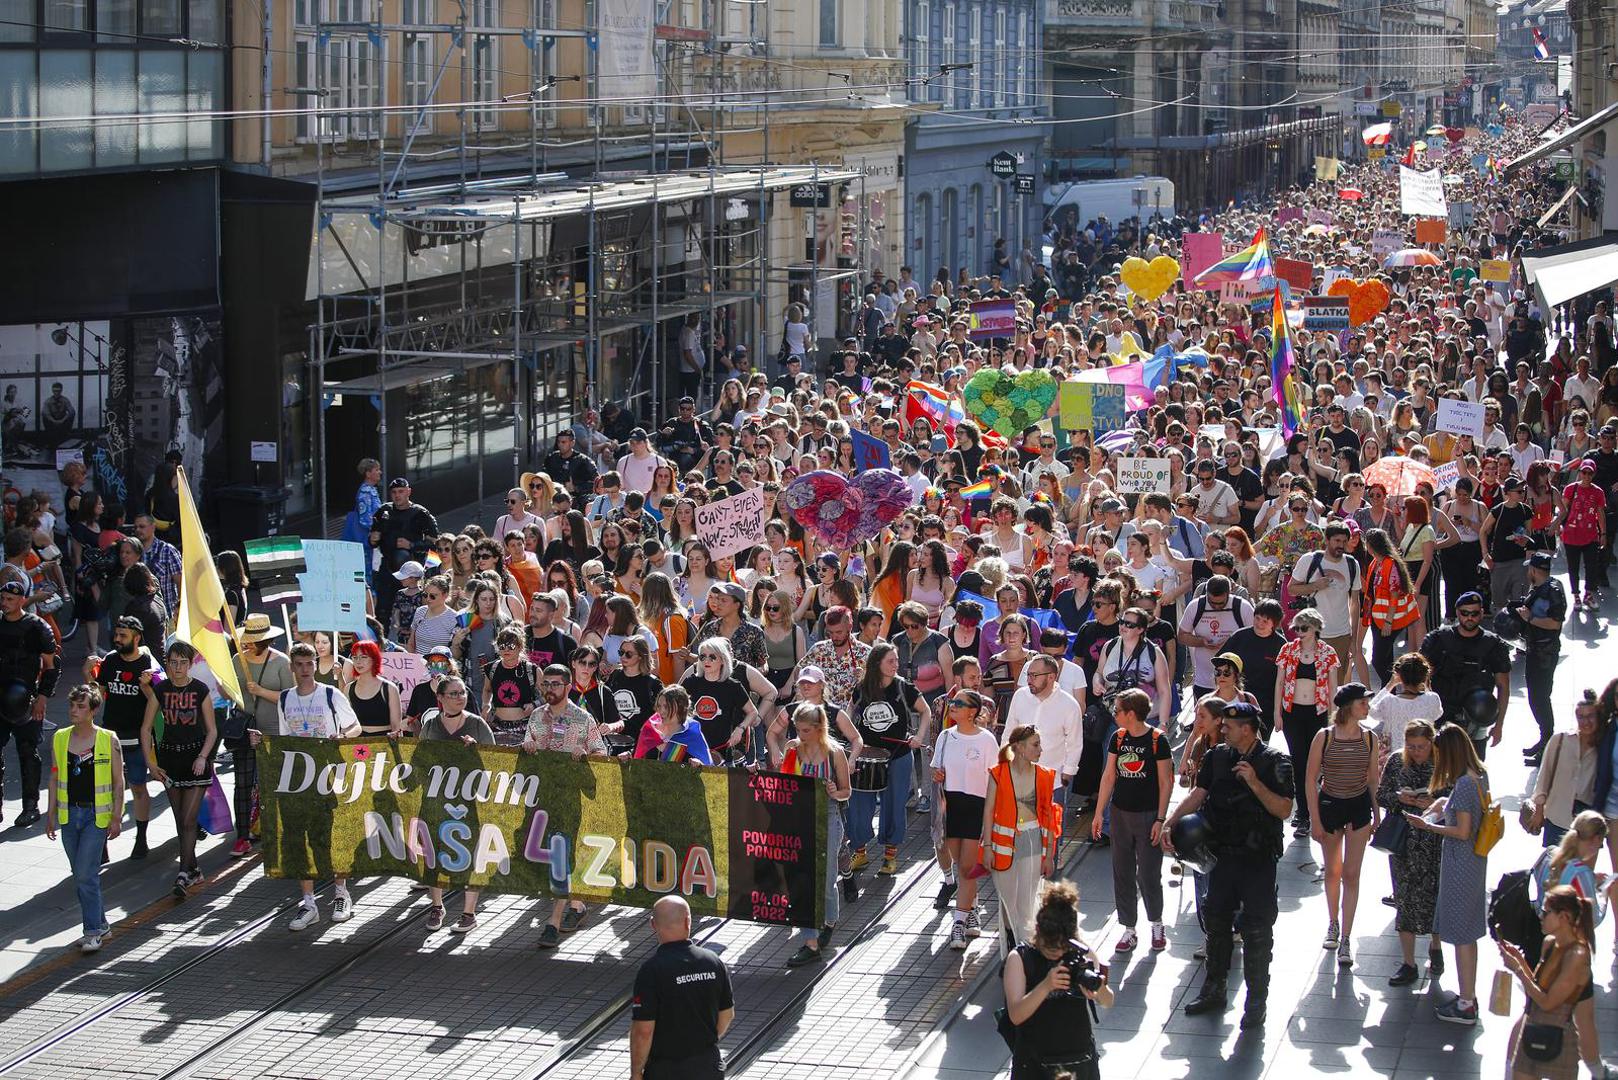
(259, 628)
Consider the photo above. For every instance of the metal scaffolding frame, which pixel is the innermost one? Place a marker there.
(381, 330)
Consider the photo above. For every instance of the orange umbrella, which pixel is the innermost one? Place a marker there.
(1399, 475)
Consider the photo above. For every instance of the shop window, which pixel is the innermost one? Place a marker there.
(65, 90)
(16, 20)
(115, 22)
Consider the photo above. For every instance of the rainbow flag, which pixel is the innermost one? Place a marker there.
(1251, 264)
(1284, 384)
(469, 620)
(923, 399)
(980, 490)
(432, 561)
(675, 752)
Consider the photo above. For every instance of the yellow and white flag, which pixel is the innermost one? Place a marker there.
(202, 598)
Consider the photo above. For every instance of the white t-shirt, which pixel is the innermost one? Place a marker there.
(1204, 620)
(636, 473)
(1332, 602)
(966, 760)
(1216, 503)
(324, 714)
(691, 343)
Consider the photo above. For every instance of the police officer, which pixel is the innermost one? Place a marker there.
(1244, 791)
(1542, 615)
(28, 675)
(682, 1004)
(1470, 663)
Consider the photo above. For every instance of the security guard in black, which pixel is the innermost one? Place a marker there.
(683, 993)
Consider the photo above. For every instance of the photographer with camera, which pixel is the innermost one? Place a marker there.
(1049, 984)
(1542, 613)
(1244, 792)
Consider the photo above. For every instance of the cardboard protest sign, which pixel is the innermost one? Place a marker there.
(1421, 194)
(1198, 251)
(1461, 417)
(1141, 475)
(1431, 230)
(1299, 273)
(732, 524)
(1325, 312)
(992, 319)
(1495, 270)
(406, 669)
(1091, 406)
(333, 586)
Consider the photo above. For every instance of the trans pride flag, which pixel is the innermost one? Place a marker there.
(1252, 264)
(1283, 383)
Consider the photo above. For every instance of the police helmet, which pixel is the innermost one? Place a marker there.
(1191, 836)
(15, 697)
(1478, 707)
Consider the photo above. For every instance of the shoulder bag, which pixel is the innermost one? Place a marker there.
(1491, 826)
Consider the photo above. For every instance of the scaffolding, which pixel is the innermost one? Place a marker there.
(515, 266)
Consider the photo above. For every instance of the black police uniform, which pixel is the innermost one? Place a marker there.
(23, 641)
(1246, 839)
(414, 523)
(1547, 600)
(682, 989)
(1462, 665)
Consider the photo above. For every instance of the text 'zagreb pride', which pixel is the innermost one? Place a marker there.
(735, 844)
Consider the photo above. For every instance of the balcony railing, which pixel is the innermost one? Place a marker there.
(1099, 13)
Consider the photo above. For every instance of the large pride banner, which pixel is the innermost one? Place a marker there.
(735, 844)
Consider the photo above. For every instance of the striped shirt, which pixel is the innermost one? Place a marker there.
(1344, 764)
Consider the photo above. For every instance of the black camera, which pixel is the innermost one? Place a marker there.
(1082, 972)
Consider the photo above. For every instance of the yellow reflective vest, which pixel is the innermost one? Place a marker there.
(105, 747)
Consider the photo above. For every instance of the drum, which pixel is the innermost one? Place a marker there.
(869, 771)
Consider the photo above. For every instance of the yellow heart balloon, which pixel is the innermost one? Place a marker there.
(1149, 280)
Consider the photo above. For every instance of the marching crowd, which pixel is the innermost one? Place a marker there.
(1022, 637)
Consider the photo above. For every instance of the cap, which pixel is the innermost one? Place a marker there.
(794, 358)
(1241, 710)
(437, 650)
(124, 622)
(1111, 506)
(938, 444)
(1587, 466)
(17, 588)
(1468, 598)
(1230, 658)
(687, 400)
(409, 570)
(732, 590)
(812, 674)
(1513, 483)
(638, 434)
(740, 350)
(1349, 693)
(1539, 560)
(398, 482)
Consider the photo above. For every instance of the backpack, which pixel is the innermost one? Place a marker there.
(1511, 915)
(331, 702)
(1120, 735)
(1201, 604)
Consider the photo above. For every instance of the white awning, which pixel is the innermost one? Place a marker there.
(1588, 126)
(1561, 273)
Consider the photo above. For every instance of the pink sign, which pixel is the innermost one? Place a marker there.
(1288, 213)
(1198, 251)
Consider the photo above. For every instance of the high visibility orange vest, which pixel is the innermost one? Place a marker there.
(1003, 831)
(1384, 597)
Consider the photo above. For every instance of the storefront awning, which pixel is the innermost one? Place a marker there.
(1588, 126)
(1567, 196)
(1558, 274)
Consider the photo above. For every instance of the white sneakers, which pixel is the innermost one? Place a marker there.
(91, 944)
(342, 907)
(342, 910)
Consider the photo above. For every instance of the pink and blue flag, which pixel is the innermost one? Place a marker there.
(1251, 264)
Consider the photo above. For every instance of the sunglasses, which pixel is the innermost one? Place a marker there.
(513, 502)
(487, 555)
(1224, 669)
(962, 703)
(587, 663)
(710, 656)
(1133, 625)
(772, 607)
(1470, 613)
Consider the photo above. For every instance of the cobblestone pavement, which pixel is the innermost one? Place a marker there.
(217, 987)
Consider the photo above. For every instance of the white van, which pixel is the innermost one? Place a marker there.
(1139, 196)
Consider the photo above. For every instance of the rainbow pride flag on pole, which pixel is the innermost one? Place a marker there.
(1252, 264)
(1283, 383)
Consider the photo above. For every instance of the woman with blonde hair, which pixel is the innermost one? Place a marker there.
(1553, 987)
(666, 618)
(1020, 828)
(814, 754)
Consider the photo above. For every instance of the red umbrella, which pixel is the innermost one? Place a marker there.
(1352, 194)
(1399, 475)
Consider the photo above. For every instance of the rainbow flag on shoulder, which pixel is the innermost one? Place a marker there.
(1252, 264)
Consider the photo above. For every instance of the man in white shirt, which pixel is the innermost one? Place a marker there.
(636, 468)
(312, 710)
(1216, 500)
(1045, 463)
(1581, 385)
(1055, 714)
(1207, 624)
(1331, 578)
(1053, 643)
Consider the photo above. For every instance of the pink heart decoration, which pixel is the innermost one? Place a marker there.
(845, 513)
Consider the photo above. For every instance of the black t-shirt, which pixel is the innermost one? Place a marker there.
(885, 722)
(1258, 664)
(636, 696)
(682, 989)
(22, 642)
(554, 647)
(1161, 633)
(120, 685)
(511, 688)
(1134, 761)
(1246, 485)
(1347, 439)
(1509, 521)
(1092, 638)
(717, 706)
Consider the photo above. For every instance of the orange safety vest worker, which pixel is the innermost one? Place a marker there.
(1384, 590)
(1003, 832)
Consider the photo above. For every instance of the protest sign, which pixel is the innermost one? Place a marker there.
(1326, 169)
(1319, 216)
(1288, 213)
(1460, 417)
(1461, 215)
(1240, 292)
(992, 319)
(1386, 243)
(1444, 476)
(1141, 475)
(333, 586)
(733, 523)
(273, 566)
(1325, 312)
(1091, 406)
(406, 669)
(735, 844)
(1376, 153)
(1494, 270)
(1299, 273)
(1198, 251)
(1431, 230)
(870, 452)
(1421, 194)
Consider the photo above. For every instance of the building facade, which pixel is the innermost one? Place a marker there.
(977, 63)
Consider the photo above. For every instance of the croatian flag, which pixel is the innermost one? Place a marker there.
(1542, 48)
